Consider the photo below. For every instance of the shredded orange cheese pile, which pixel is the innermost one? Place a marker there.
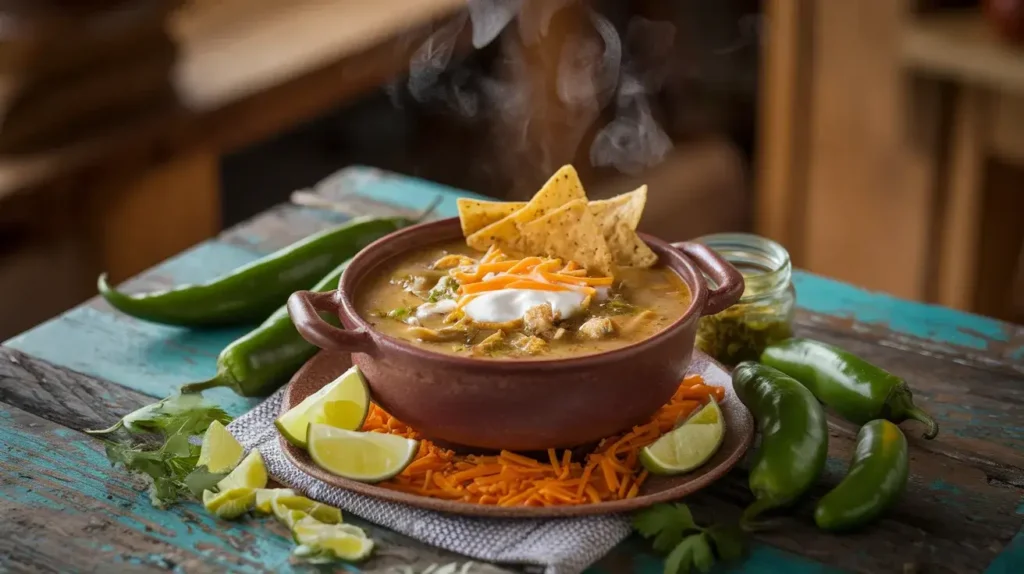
(611, 472)
(496, 271)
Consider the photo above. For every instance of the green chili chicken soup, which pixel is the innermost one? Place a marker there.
(555, 277)
(447, 299)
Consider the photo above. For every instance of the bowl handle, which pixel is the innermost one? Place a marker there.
(729, 281)
(303, 306)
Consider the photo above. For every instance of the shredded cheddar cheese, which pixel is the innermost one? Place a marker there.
(494, 271)
(611, 472)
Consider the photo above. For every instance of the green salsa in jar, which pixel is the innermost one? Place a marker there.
(764, 314)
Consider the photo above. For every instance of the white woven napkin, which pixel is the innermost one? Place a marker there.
(560, 546)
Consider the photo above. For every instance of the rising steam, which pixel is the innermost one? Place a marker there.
(598, 76)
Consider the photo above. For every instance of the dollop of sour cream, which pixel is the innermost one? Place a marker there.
(506, 305)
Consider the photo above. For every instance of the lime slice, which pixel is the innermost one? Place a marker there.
(319, 542)
(321, 512)
(266, 496)
(362, 456)
(250, 473)
(688, 446)
(220, 451)
(228, 504)
(342, 403)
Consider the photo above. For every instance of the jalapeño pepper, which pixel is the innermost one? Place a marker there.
(794, 437)
(877, 477)
(854, 388)
(250, 293)
(256, 364)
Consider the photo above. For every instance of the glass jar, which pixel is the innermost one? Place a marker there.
(764, 313)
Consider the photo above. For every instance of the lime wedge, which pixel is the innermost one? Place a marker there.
(250, 473)
(266, 496)
(321, 512)
(689, 446)
(309, 528)
(362, 456)
(289, 517)
(320, 543)
(220, 451)
(342, 403)
(228, 504)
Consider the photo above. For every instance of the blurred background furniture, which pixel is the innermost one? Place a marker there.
(272, 96)
(124, 190)
(891, 148)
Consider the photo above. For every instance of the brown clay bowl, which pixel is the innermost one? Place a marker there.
(517, 404)
(739, 434)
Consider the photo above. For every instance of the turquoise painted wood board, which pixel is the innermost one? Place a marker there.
(969, 370)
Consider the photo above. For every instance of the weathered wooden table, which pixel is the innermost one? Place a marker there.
(63, 508)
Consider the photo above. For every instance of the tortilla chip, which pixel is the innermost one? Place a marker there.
(627, 249)
(476, 215)
(628, 208)
(503, 234)
(618, 219)
(570, 233)
(560, 189)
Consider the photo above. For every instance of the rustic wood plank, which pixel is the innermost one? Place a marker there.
(980, 409)
(65, 510)
(61, 396)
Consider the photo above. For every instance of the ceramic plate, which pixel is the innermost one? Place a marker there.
(325, 367)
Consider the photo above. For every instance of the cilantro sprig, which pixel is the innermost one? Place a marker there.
(160, 442)
(688, 545)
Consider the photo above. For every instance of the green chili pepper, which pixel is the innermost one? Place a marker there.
(250, 293)
(856, 389)
(877, 477)
(258, 363)
(794, 437)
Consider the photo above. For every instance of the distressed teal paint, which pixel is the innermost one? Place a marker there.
(408, 192)
(981, 424)
(763, 559)
(766, 559)
(146, 357)
(943, 486)
(205, 261)
(153, 560)
(1011, 559)
(253, 237)
(89, 474)
(931, 322)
